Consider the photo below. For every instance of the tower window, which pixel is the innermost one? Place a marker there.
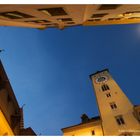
(119, 120)
(105, 87)
(93, 132)
(113, 105)
(108, 95)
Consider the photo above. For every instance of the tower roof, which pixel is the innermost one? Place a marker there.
(98, 72)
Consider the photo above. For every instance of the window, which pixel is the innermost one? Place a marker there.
(98, 15)
(134, 18)
(114, 18)
(49, 25)
(126, 134)
(108, 95)
(108, 6)
(97, 19)
(93, 132)
(131, 12)
(15, 15)
(119, 120)
(58, 11)
(38, 21)
(113, 105)
(65, 19)
(8, 98)
(2, 83)
(70, 22)
(105, 87)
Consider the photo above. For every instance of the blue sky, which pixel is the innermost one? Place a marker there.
(49, 70)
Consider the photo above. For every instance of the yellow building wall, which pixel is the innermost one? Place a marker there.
(84, 130)
(8, 103)
(5, 129)
(8, 108)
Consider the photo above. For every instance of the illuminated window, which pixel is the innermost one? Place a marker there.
(105, 87)
(120, 120)
(113, 105)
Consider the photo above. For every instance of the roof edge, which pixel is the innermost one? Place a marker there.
(98, 72)
(91, 120)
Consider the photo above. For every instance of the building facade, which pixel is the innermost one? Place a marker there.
(67, 15)
(118, 116)
(11, 114)
(87, 127)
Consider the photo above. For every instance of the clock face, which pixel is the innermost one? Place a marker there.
(101, 79)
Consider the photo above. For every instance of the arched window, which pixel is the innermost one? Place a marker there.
(105, 87)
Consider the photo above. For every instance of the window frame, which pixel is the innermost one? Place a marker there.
(105, 87)
(113, 105)
(108, 95)
(120, 120)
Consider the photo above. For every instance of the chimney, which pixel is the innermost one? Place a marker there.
(84, 118)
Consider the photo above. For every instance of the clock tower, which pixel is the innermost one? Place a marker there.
(116, 111)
